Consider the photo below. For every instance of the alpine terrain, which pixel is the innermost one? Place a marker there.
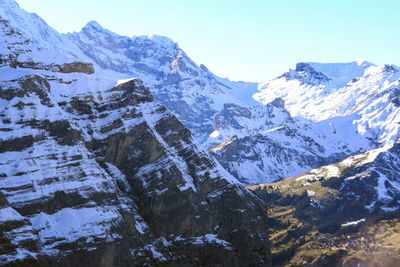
(122, 151)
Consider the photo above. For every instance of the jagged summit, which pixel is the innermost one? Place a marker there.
(162, 40)
(390, 68)
(94, 30)
(306, 74)
(94, 24)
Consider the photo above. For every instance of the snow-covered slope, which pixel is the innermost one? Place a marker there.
(360, 184)
(307, 89)
(37, 31)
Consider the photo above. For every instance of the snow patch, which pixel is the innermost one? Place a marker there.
(353, 222)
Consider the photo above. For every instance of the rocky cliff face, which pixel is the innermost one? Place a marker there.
(115, 178)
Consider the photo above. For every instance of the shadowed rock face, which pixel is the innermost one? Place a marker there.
(115, 179)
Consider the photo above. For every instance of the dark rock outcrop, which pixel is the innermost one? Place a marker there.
(76, 67)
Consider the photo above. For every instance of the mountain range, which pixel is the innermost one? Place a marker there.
(118, 150)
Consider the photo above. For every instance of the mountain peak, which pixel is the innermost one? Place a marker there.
(342, 73)
(302, 66)
(93, 25)
(305, 72)
(95, 31)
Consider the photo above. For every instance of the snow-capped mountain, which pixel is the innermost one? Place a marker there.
(94, 170)
(199, 98)
(312, 92)
(360, 88)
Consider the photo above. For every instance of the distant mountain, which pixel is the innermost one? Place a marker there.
(260, 145)
(360, 88)
(336, 110)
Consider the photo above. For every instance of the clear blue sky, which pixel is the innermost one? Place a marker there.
(252, 40)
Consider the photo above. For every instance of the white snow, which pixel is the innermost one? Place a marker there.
(71, 224)
(353, 222)
(9, 214)
(341, 114)
(156, 254)
(212, 239)
(140, 225)
(310, 193)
